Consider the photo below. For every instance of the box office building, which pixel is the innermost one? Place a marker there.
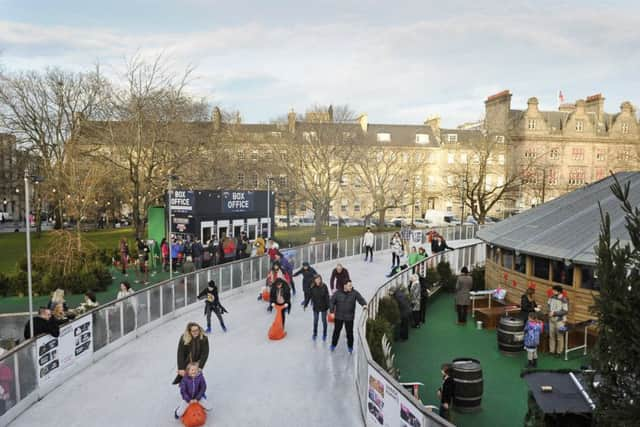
(205, 213)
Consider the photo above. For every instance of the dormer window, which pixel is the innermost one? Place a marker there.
(452, 138)
(383, 137)
(531, 124)
(579, 125)
(422, 138)
(500, 139)
(625, 128)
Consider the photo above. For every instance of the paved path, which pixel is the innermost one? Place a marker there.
(251, 381)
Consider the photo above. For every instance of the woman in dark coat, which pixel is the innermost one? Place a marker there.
(464, 285)
(528, 304)
(319, 296)
(192, 347)
(308, 273)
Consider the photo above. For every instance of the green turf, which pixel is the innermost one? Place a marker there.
(504, 401)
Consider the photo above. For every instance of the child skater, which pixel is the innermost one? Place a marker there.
(212, 304)
(192, 390)
(532, 331)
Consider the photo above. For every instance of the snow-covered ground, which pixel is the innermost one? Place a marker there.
(252, 381)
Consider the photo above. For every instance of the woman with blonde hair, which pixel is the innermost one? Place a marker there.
(57, 297)
(193, 346)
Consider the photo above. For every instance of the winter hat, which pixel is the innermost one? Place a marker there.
(305, 264)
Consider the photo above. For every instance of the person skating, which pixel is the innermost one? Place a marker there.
(287, 268)
(308, 273)
(367, 242)
(343, 305)
(192, 390)
(275, 273)
(280, 295)
(339, 276)
(397, 249)
(193, 346)
(212, 304)
(319, 297)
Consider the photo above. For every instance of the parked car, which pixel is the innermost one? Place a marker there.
(421, 223)
(307, 222)
(281, 221)
(352, 222)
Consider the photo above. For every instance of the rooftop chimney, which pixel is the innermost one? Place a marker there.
(364, 122)
(497, 109)
(532, 105)
(291, 120)
(434, 123)
(595, 104)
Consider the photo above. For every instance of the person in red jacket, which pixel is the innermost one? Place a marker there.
(273, 250)
(164, 250)
(6, 384)
(339, 276)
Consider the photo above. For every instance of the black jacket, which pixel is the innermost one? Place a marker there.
(197, 249)
(446, 391)
(307, 277)
(196, 351)
(319, 295)
(338, 280)
(215, 303)
(403, 303)
(286, 293)
(41, 326)
(526, 307)
(343, 304)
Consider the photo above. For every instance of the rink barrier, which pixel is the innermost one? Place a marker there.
(118, 322)
(470, 255)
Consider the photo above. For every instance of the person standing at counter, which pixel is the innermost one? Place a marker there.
(558, 309)
(528, 304)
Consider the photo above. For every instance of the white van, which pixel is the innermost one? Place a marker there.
(441, 218)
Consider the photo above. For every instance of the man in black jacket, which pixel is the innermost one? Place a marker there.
(308, 273)
(405, 311)
(43, 324)
(319, 296)
(343, 304)
(212, 305)
(446, 391)
(197, 252)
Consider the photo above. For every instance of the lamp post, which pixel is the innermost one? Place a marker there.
(171, 178)
(27, 209)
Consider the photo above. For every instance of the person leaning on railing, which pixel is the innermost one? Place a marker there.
(42, 324)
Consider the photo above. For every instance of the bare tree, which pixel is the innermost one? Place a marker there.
(43, 109)
(153, 131)
(316, 155)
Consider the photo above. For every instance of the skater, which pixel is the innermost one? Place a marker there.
(192, 390)
(287, 268)
(532, 331)
(339, 276)
(212, 304)
(281, 295)
(275, 274)
(343, 305)
(193, 346)
(396, 249)
(308, 273)
(464, 285)
(319, 297)
(367, 242)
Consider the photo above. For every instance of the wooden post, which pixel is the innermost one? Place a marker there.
(577, 276)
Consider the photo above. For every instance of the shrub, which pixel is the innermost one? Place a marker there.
(376, 328)
(477, 274)
(447, 278)
(431, 276)
(388, 310)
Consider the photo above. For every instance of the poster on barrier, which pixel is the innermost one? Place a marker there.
(410, 416)
(382, 402)
(56, 355)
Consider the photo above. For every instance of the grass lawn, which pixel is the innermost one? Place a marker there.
(440, 340)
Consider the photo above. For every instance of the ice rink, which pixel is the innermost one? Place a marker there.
(252, 381)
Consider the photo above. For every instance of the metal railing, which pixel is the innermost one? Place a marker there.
(470, 255)
(120, 321)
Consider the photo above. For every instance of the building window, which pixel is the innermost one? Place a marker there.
(554, 154)
(520, 263)
(599, 173)
(531, 153)
(500, 181)
(421, 138)
(577, 153)
(500, 139)
(624, 155)
(344, 206)
(625, 128)
(282, 181)
(562, 273)
(383, 137)
(452, 137)
(451, 158)
(241, 179)
(254, 182)
(241, 156)
(530, 177)
(541, 268)
(579, 125)
(463, 158)
(589, 279)
(552, 177)
(507, 259)
(531, 124)
(357, 182)
(276, 134)
(601, 155)
(356, 206)
(254, 156)
(501, 159)
(576, 176)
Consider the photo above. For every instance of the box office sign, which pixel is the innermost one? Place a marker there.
(57, 355)
(237, 201)
(182, 201)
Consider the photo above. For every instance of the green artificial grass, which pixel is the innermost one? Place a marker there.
(440, 340)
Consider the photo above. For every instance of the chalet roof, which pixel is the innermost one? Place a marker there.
(566, 228)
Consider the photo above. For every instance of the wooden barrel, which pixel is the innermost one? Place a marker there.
(467, 384)
(511, 335)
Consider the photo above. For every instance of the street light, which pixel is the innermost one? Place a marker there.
(171, 178)
(269, 202)
(35, 179)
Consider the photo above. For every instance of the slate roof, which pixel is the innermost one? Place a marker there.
(566, 228)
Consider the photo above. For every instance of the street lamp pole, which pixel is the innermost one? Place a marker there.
(28, 224)
(169, 242)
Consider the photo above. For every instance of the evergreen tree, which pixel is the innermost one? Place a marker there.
(617, 354)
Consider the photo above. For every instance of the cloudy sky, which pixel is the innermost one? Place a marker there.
(398, 61)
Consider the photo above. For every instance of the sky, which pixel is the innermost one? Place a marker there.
(398, 61)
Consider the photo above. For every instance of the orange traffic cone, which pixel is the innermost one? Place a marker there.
(194, 416)
(276, 331)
